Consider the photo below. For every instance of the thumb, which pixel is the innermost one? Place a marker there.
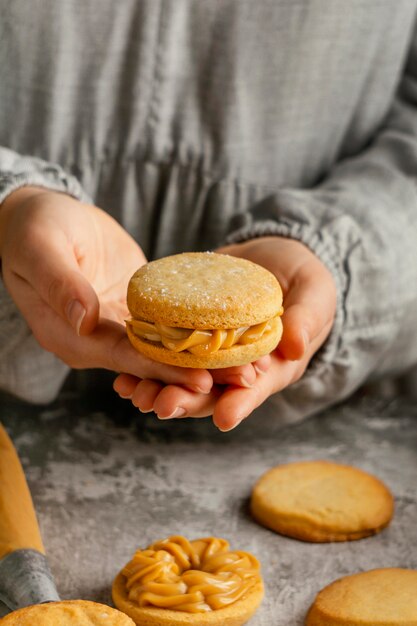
(77, 302)
(57, 278)
(309, 308)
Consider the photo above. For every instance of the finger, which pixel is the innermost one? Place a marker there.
(308, 307)
(235, 404)
(56, 277)
(145, 394)
(175, 402)
(242, 375)
(125, 385)
(295, 337)
(263, 364)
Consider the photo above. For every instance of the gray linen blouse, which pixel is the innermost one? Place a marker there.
(196, 122)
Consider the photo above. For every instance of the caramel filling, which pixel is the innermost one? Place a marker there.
(193, 576)
(201, 342)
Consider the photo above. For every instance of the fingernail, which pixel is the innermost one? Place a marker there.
(126, 397)
(179, 412)
(75, 313)
(306, 339)
(198, 389)
(262, 367)
(229, 428)
(240, 381)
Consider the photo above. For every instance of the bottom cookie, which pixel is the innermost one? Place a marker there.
(380, 597)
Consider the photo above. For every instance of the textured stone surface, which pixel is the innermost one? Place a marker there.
(107, 480)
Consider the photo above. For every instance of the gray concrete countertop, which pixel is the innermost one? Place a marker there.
(107, 480)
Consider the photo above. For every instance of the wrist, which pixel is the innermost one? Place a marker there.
(15, 199)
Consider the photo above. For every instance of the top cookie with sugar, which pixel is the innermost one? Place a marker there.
(204, 290)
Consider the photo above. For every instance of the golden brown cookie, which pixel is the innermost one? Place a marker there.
(321, 501)
(202, 309)
(67, 613)
(380, 597)
(176, 582)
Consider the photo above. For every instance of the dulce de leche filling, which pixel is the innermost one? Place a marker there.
(200, 342)
(193, 576)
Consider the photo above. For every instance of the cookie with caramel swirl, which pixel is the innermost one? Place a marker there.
(176, 582)
(203, 309)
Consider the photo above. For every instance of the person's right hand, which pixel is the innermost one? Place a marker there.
(67, 265)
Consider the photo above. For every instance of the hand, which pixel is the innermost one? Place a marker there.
(66, 265)
(309, 309)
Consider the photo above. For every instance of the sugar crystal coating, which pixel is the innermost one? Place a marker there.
(204, 290)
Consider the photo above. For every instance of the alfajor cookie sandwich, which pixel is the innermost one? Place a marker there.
(203, 309)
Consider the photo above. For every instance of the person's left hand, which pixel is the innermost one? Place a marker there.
(309, 310)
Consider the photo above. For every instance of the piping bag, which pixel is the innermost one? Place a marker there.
(25, 577)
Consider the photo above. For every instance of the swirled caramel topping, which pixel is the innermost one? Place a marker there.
(193, 576)
(200, 342)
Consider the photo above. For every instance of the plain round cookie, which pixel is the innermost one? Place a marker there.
(380, 597)
(205, 291)
(235, 614)
(321, 501)
(67, 613)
